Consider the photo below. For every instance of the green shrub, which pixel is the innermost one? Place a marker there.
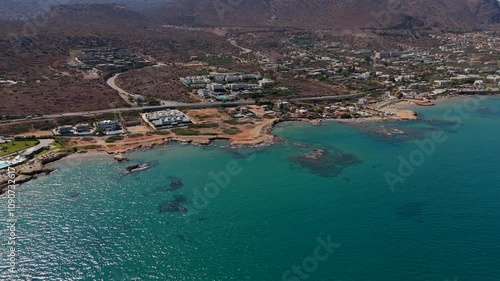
(135, 135)
(232, 131)
(204, 125)
(63, 142)
(186, 132)
(114, 139)
(162, 133)
(231, 121)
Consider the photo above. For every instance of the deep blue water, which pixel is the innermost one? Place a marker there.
(216, 213)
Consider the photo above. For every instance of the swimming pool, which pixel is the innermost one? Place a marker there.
(3, 165)
(222, 98)
(114, 132)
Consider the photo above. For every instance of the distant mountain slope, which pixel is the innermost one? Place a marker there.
(333, 13)
(70, 27)
(96, 17)
(23, 9)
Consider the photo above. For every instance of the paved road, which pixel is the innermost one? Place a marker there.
(326, 98)
(43, 143)
(234, 43)
(177, 105)
(124, 94)
(141, 108)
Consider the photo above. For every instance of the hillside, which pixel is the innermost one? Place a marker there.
(24, 9)
(37, 56)
(453, 14)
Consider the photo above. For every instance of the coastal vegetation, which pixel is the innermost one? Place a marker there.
(114, 139)
(233, 121)
(203, 126)
(137, 135)
(162, 133)
(232, 131)
(17, 145)
(88, 147)
(60, 142)
(186, 132)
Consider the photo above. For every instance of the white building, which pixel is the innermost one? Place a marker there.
(495, 79)
(479, 83)
(66, 129)
(232, 79)
(250, 77)
(82, 127)
(363, 101)
(237, 86)
(167, 118)
(108, 125)
(204, 93)
(442, 83)
(215, 87)
(266, 83)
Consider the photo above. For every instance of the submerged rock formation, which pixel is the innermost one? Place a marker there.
(175, 183)
(325, 162)
(175, 205)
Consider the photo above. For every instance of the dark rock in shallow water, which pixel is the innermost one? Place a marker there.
(316, 154)
(74, 194)
(440, 123)
(300, 144)
(120, 158)
(175, 183)
(136, 168)
(487, 112)
(394, 133)
(326, 162)
(176, 205)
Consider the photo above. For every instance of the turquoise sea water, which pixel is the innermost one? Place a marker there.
(266, 209)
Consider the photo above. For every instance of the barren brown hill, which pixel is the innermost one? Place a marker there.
(65, 94)
(454, 14)
(24, 9)
(34, 54)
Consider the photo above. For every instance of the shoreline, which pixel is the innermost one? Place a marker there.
(42, 165)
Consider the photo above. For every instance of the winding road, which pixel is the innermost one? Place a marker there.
(125, 95)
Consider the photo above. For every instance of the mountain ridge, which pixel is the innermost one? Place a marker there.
(452, 14)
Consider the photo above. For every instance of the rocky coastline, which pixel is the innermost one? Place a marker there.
(32, 169)
(36, 167)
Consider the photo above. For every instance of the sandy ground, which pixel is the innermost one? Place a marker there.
(38, 134)
(142, 129)
(403, 114)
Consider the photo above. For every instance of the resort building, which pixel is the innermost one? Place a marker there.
(167, 118)
(108, 125)
(82, 128)
(215, 87)
(66, 129)
(266, 83)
